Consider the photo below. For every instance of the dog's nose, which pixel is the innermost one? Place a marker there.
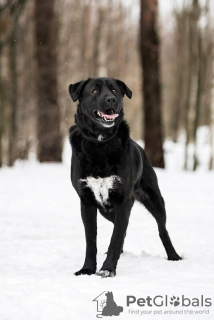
(111, 101)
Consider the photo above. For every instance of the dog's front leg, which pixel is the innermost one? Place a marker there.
(122, 214)
(89, 218)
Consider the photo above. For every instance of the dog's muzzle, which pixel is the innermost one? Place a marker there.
(108, 117)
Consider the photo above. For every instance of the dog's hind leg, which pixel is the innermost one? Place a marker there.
(149, 195)
(89, 217)
(155, 205)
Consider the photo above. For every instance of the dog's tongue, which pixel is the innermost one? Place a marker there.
(109, 116)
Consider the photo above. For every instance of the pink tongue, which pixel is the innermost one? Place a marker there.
(110, 116)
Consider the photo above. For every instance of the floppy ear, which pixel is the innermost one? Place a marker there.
(76, 89)
(124, 89)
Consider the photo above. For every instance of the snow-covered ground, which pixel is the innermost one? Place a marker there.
(42, 245)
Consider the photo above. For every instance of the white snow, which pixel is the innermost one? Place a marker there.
(174, 152)
(42, 245)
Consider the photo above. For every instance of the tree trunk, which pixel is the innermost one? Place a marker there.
(85, 35)
(191, 83)
(1, 112)
(120, 41)
(150, 57)
(97, 41)
(48, 119)
(211, 162)
(201, 66)
(176, 112)
(13, 99)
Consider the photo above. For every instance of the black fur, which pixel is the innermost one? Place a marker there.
(114, 154)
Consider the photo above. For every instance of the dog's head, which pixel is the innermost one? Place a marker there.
(101, 99)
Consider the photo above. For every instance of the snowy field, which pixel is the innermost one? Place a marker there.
(42, 245)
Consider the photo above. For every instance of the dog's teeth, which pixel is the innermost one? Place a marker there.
(104, 118)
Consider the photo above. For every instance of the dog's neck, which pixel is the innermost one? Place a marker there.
(90, 130)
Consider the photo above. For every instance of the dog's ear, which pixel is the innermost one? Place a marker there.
(124, 89)
(76, 89)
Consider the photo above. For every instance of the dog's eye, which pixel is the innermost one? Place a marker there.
(95, 91)
(114, 91)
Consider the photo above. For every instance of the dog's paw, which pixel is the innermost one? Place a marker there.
(174, 257)
(106, 273)
(85, 271)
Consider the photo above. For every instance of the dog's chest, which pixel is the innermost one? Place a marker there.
(101, 156)
(101, 187)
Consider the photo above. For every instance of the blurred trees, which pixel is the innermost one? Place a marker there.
(48, 114)
(101, 38)
(10, 12)
(150, 56)
(192, 76)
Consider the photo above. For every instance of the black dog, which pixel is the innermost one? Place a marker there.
(109, 170)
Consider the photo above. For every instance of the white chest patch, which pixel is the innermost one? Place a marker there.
(101, 186)
(100, 138)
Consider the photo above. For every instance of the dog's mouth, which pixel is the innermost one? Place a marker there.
(108, 117)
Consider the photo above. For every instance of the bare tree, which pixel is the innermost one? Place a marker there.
(97, 40)
(13, 123)
(150, 57)
(2, 117)
(211, 99)
(86, 34)
(211, 162)
(194, 14)
(197, 112)
(10, 12)
(181, 20)
(48, 121)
